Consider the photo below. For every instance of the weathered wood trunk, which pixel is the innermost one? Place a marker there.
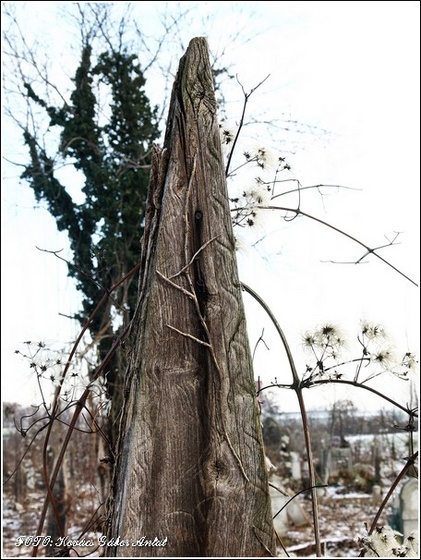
(190, 473)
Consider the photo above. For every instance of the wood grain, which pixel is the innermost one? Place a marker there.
(190, 460)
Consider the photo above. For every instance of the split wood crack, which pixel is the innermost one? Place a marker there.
(191, 293)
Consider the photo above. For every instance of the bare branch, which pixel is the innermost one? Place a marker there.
(297, 212)
(243, 114)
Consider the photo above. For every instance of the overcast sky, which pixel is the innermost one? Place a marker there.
(348, 74)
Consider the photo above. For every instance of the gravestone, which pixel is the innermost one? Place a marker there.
(409, 506)
(286, 515)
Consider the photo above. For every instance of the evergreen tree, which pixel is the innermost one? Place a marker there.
(112, 150)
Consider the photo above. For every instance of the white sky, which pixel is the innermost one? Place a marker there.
(348, 68)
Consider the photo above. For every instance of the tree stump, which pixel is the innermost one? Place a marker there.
(190, 476)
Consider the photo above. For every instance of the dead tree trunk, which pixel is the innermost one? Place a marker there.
(190, 478)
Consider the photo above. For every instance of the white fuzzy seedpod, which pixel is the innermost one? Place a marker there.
(372, 331)
(386, 543)
(264, 157)
(410, 545)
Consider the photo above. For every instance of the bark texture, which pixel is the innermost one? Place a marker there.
(190, 470)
